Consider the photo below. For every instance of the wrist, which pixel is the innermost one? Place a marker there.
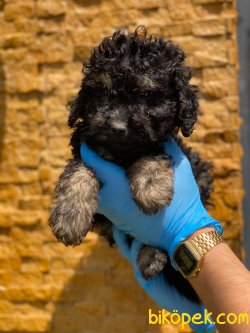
(204, 224)
(189, 255)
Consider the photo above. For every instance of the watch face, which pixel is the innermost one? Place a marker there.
(184, 259)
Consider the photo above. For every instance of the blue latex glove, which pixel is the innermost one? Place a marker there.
(166, 296)
(167, 228)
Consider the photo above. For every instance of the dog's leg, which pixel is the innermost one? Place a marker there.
(151, 182)
(151, 261)
(76, 197)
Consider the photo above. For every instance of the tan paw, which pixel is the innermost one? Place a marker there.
(151, 261)
(151, 183)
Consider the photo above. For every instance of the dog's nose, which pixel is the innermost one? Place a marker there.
(119, 127)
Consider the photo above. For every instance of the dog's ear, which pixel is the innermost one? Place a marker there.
(73, 112)
(187, 100)
(75, 107)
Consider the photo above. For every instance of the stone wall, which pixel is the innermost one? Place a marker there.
(44, 286)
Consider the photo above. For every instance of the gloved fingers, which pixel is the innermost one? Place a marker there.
(121, 240)
(203, 328)
(130, 252)
(106, 171)
(208, 327)
(166, 295)
(169, 298)
(157, 287)
(135, 248)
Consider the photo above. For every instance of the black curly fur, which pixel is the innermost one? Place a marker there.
(135, 94)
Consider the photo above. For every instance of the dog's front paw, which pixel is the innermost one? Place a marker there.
(151, 261)
(69, 224)
(76, 196)
(151, 183)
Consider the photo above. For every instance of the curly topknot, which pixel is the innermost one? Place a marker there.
(144, 50)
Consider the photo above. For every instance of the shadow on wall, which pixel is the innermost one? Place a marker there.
(101, 295)
(2, 108)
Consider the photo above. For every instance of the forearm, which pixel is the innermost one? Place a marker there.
(223, 284)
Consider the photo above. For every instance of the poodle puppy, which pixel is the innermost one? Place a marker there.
(135, 95)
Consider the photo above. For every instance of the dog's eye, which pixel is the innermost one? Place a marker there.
(113, 93)
(146, 94)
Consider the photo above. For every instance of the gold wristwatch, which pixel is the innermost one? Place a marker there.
(188, 256)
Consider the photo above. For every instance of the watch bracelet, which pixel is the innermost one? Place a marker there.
(205, 241)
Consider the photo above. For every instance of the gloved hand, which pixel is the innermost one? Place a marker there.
(165, 295)
(167, 228)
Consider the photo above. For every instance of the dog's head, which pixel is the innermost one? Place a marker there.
(135, 90)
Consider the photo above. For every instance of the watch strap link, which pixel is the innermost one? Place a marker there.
(205, 241)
